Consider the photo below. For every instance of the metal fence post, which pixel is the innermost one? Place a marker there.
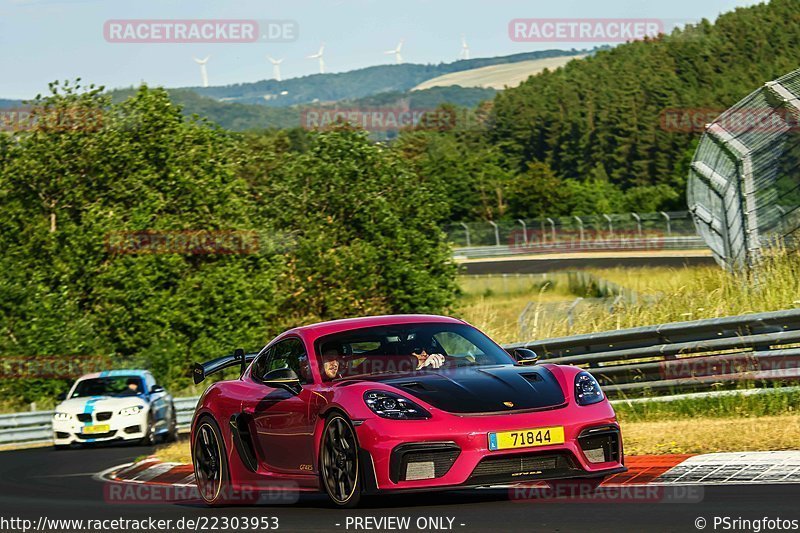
(524, 231)
(669, 225)
(610, 225)
(466, 230)
(496, 232)
(553, 227)
(580, 226)
(638, 223)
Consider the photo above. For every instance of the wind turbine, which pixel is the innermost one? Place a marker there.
(276, 68)
(203, 71)
(464, 54)
(319, 55)
(398, 58)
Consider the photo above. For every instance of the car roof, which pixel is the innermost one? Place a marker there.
(115, 373)
(346, 324)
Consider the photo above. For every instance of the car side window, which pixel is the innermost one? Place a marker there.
(149, 382)
(260, 364)
(288, 353)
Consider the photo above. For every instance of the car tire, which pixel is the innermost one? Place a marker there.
(149, 438)
(172, 433)
(60, 447)
(339, 467)
(210, 462)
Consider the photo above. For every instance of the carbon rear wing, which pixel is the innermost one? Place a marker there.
(201, 371)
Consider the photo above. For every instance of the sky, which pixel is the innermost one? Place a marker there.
(45, 40)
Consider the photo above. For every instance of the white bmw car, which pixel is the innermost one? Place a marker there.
(112, 406)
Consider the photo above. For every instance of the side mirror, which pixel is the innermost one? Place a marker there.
(238, 355)
(283, 378)
(156, 389)
(525, 356)
(61, 397)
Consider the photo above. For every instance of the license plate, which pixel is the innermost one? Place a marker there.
(526, 438)
(93, 430)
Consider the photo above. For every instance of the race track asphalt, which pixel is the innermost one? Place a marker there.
(62, 484)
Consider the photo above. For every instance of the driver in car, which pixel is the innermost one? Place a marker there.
(133, 385)
(331, 364)
(424, 359)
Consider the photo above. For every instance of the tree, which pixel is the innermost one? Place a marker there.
(367, 239)
(538, 192)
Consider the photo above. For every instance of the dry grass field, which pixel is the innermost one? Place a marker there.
(497, 76)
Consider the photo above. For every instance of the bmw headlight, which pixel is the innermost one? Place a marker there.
(135, 410)
(587, 390)
(390, 405)
(62, 417)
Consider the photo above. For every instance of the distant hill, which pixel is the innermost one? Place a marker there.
(498, 76)
(356, 83)
(5, 104)
(243, 117)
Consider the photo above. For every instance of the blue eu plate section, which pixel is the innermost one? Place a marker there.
(492, 441)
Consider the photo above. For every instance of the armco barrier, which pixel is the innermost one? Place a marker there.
(35, 426)
(700, 355)
(576, 246)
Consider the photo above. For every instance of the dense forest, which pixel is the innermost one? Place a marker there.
(90, 188)
(588, 137)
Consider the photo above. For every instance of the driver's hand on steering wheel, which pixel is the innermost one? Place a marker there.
(434, 360)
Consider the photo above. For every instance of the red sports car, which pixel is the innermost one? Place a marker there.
(396, 403)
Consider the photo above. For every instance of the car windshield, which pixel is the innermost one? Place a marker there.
(406, 348)
(109, 386)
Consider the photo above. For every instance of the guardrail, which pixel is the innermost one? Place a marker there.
(763, 348)
(643, 244)
(35, 427)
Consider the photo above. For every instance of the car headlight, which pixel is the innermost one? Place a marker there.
(587, 390)
(390, 405)
(62, 416)
(135, 410)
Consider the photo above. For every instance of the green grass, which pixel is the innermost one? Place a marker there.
(678, 294)
(775, 403)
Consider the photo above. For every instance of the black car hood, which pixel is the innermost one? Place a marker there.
(481, 389)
